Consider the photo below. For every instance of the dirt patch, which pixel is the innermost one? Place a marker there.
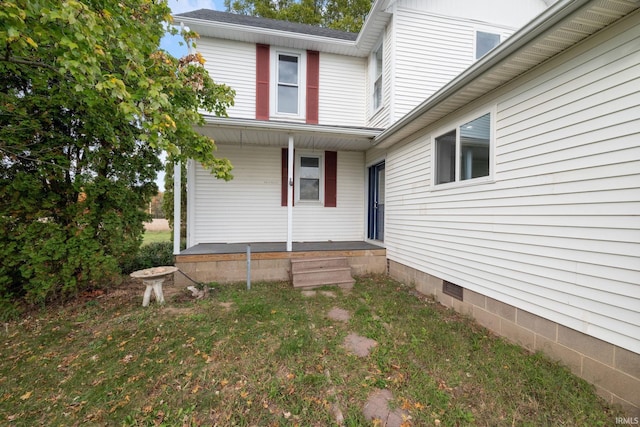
(360, 346)
(225, 305)
(339, 314)
(177, 311)
(308, 294)
(377, 408)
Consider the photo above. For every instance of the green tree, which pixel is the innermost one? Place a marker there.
(345, 15)
(87, 102)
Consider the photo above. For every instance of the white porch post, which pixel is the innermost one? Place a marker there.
(290, 196)
(177, 169)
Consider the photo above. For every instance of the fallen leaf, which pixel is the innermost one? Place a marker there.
(26, 395)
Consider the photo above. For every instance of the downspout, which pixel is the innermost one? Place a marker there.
(177, 170)
(290, 196)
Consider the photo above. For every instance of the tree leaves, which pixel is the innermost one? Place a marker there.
(345, 15)
(87, 102)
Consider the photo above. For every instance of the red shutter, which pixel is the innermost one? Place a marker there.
(313, 84)
(262, 82)
(330, 179)
(285, 178)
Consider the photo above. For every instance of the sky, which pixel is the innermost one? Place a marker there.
(172, 43)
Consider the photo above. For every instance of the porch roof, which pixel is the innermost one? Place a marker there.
(276, 134)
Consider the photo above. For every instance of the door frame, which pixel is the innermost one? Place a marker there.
(375, 209)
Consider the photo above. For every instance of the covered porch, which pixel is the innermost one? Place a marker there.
(271, 261)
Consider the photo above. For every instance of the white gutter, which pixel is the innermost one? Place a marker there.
(543, 22)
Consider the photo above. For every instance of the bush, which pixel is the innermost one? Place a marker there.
(151, 255)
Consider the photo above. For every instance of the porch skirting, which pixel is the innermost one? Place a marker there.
(613, 370)
(227, 263)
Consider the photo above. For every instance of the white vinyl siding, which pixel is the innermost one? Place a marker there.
(509, 13)
(342, 90)
(245, 209)
(248, 208)
(344, 222)
(430, 51)
(558, 232)
(234, 64)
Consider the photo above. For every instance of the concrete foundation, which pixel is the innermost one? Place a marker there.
(613, 370)
(268, 266)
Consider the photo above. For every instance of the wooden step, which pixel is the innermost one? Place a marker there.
(313, 273)
(318, 263)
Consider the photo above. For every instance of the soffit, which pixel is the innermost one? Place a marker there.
(276, 134)
(525, 50)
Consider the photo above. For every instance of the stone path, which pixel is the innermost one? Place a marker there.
(376, 408)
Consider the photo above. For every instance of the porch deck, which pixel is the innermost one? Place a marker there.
(270, 261)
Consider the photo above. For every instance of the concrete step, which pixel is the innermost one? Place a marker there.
(313, 273)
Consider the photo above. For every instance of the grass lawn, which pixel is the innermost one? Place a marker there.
(271, 357)
(156, 236)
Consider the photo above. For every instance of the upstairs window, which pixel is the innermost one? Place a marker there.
(464, 153)
(288, 84)
(485, 42)
(377, 78)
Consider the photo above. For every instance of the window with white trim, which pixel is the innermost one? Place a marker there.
(309, 185)
(288, 83)
(464, 153)
(377, 65)
(485, 42)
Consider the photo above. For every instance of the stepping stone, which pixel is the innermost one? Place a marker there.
(328, 294)
(339, 314)
(377, 408)
(360, 346)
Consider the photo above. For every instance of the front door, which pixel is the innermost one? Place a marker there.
(376, 202)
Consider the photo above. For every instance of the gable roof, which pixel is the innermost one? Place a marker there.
(565, 24)
(231, 26)
(271, 24)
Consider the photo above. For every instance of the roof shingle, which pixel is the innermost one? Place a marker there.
(271, 24)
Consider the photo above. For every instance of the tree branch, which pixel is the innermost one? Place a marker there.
(28, 62)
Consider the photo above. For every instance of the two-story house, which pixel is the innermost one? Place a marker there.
(485, 151)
